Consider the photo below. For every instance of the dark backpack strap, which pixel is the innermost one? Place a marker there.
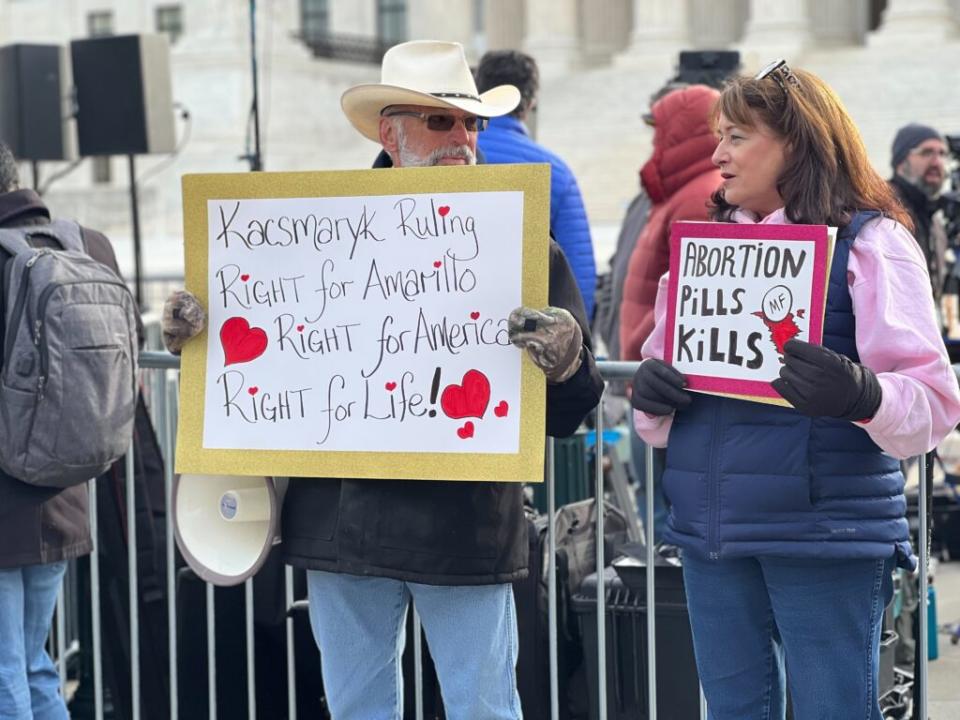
(859, 219)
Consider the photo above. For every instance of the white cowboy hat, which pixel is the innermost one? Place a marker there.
(424, 72)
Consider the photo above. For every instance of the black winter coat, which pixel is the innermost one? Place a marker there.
(438, 533)
(928, 230)
(43, 525)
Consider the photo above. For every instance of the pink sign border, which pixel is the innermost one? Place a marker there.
(818, 234)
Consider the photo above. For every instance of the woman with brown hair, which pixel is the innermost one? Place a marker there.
(791, 520)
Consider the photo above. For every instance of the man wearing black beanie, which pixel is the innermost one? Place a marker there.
(918, 158)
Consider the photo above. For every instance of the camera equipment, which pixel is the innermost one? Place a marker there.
(707, 67)
(949, 202)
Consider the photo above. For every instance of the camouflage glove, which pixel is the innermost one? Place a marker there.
(551, 337)
(183, 317)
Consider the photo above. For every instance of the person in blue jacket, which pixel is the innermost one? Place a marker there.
(507, 140)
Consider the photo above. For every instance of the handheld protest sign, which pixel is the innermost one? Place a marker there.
(737, 294)
(357, 323)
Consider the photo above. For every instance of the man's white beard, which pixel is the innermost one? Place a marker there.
(411, 159)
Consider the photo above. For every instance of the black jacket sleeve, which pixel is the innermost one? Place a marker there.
(569, 402)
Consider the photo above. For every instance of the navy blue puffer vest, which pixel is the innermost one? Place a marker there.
(748, 479)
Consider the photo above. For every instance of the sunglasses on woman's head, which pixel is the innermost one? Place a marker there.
(780, 72)
(442, 122)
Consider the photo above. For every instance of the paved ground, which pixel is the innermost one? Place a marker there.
(944, 695)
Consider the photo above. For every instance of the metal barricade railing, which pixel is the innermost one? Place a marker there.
(161, 385)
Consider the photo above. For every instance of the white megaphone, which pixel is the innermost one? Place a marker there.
(225, 525)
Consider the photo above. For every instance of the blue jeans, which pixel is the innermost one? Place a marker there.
(757, 621)
(29, 683)
(638, 459)
(360, 626)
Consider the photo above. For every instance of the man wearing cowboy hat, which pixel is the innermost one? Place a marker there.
(370, 546)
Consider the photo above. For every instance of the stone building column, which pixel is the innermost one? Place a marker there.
(660, 28)
(776, 28)
(553, 37)
(915, 22)
(505, 22)
(835, 23)
(605, 27)
(717, 24)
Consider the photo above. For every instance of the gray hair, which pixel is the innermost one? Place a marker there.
(9, 173)
(410, 159)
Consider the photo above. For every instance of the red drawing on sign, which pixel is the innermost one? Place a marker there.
(468, 399)
(443, 210)
(776, 314)
(253, 390)
(300, 328)
(437, 263)
(474, 315)
(501, 409)
(466, 431)
(245, 277)
(241, 343)
(391, 386)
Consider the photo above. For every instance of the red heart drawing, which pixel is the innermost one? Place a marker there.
(245, 277)
(474, 315)
(241, 343)
(466, 431)
(443, 210)
(253, 390)
(469, 399)
(300, 328)
(391, 386)
(501, 409)
(437, 263)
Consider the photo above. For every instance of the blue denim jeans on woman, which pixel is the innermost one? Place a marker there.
(29, 683)
(360, 626)
(757, 621)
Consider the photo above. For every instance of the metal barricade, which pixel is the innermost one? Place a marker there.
(160, 385)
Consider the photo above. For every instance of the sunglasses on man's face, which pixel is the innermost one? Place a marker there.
(442, 122)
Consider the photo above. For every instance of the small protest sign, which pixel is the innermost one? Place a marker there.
(737, 294)
(357, 323)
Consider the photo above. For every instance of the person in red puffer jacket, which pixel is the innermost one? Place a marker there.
(678, 178)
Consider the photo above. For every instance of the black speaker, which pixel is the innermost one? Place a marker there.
(708, 67)
(124, 96)
(34, 118)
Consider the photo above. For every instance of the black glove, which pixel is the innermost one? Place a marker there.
(658, 388)
(821, 383)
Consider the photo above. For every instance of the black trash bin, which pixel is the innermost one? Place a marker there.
(678, 686)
